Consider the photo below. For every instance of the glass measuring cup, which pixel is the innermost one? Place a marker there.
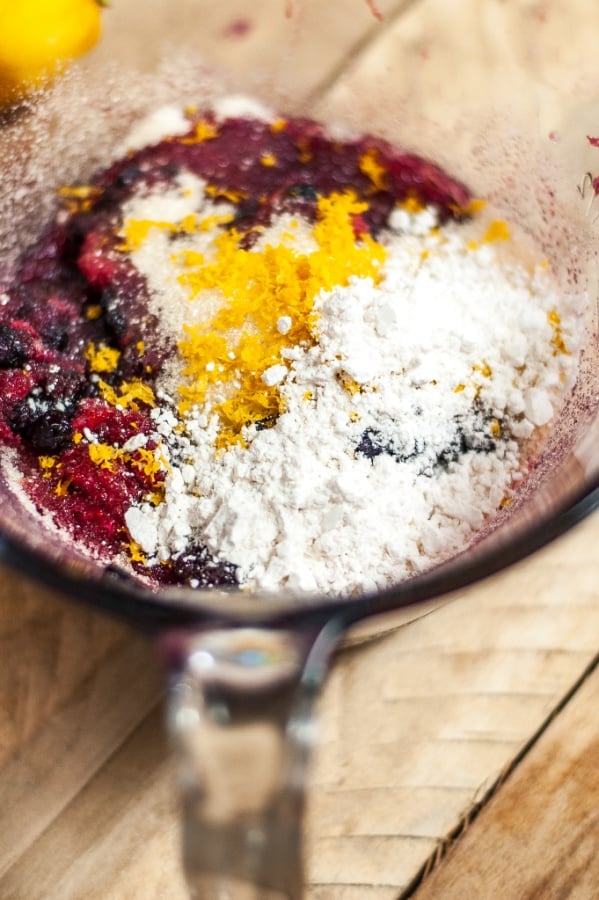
(250, 673)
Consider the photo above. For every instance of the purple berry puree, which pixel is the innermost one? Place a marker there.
(76, 288)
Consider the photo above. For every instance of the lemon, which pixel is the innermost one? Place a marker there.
(38, 39)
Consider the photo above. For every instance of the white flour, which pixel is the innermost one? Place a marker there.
(403, 424)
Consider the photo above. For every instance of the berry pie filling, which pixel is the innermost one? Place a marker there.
(257, 352)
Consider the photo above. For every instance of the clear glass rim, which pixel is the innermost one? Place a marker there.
(171, 608)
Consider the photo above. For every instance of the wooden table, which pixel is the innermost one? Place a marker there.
(459, 754)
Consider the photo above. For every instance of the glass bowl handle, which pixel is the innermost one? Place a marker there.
(241, 712)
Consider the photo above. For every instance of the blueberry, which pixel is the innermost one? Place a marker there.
(114, 311)
(198, 565)
(452, 452)
(371, 444)
(480, 442)
(303, 192)
(266, 422)
(247, 209)
(13, 348)
(471, 436)
(55, 336)
(129, 176)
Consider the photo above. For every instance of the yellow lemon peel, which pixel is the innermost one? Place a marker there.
(371, 166)
(131, 394)
(259, 287)
(102, 358)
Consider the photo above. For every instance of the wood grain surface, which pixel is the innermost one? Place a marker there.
(73, 685)
(537, 838)
(417, 726)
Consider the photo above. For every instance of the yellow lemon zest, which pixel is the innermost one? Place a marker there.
(484, 368)
(103, 455)
(303, 148)
(203, 131)
(102, 358)
(234, 196)
(135, 552)
(131, 394)
(79, 198)
(260, 286)
(371, 166)
(498, 230)
(135, 231)
(79, 191)
(62, 488)
(93, 312)
(209, 222)
(472, 208)
(412, 205)
(557, 341)
(349, 384)
(148, 462)
(46, 464)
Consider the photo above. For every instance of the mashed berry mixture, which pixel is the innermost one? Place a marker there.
(257, 352)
